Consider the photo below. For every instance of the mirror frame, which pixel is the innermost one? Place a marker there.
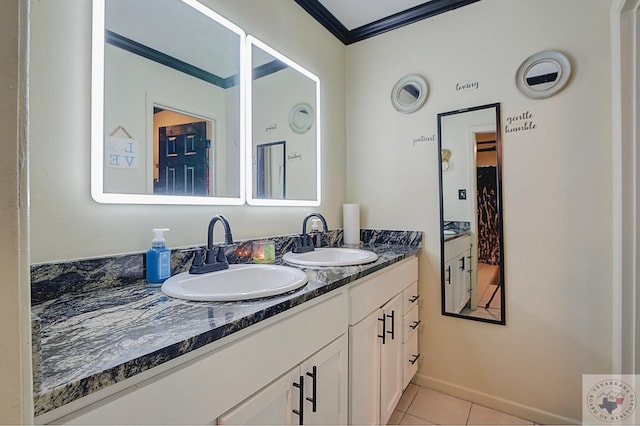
(251, 200)
(411, 79)
(500, 212)
(548, 56)
(97, 119)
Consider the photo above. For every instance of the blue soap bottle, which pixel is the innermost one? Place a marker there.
(158, 258)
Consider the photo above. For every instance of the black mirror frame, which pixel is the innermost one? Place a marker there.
(502, 320)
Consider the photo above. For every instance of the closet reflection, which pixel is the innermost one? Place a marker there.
(471, 214)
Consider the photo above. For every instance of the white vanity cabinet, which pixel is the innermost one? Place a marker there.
(312, 393)
(380, 347)
(254, 373)
(457, 273)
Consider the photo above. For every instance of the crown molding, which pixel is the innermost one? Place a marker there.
(406, 17)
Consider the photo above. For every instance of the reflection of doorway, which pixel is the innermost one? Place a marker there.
(271, 171)
(485, 269)
(182, 154)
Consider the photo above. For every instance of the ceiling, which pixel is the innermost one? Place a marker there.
(354, 20)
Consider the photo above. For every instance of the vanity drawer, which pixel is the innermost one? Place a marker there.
(410, 360)
(410, 297)
(411, 323)
(371, 293)
(457, 246)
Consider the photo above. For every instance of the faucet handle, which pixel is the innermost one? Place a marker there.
(197, 258)
(221, 256)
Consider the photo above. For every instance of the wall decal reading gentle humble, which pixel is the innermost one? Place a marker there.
(520, 123)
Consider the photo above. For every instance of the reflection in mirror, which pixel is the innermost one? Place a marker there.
(167, 126)
(301, 118)
(279, 90)
(471, 214)
(271, 171)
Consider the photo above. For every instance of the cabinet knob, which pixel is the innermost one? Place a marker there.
(415, 324)
(413, 299)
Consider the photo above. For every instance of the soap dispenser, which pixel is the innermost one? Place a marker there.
(158, 258)
(316, 236)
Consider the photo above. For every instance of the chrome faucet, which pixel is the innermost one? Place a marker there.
(305, 243)
(215, 258)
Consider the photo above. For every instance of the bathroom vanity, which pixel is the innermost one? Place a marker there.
(144, 358)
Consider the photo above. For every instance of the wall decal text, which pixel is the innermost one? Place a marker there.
(465, 86)
(520, 123)
(424, 139)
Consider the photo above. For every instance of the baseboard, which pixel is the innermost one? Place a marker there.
(510, 407)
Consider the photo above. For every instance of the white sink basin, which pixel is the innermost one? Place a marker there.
(331, 256)
(239, 282)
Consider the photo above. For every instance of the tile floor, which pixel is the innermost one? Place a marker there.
(422, 406)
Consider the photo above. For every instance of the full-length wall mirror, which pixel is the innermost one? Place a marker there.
(167, 104)
(285, 107)
(472, 249)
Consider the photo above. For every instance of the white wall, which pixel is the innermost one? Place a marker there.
(557, 193)
(67, 224)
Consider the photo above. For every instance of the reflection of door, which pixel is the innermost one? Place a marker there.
(271, 171)
(183, 161)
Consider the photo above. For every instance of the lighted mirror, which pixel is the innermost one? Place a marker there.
(167, 102)
(472, 250)
(409, 93)
(544, 74)
(285, 108)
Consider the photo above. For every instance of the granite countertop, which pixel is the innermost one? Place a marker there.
(92, 339)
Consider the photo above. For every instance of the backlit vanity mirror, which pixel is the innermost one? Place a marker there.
(283, 119)
(472, 250)
(167, 102)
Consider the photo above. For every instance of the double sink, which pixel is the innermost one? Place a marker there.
(253, 281)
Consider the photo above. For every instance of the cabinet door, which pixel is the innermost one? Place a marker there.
(461, 281)
(449, 279)
(391, 358)
(364, 370)
(325, 387)
(272, 405)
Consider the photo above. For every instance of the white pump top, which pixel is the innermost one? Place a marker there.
(158, 239)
